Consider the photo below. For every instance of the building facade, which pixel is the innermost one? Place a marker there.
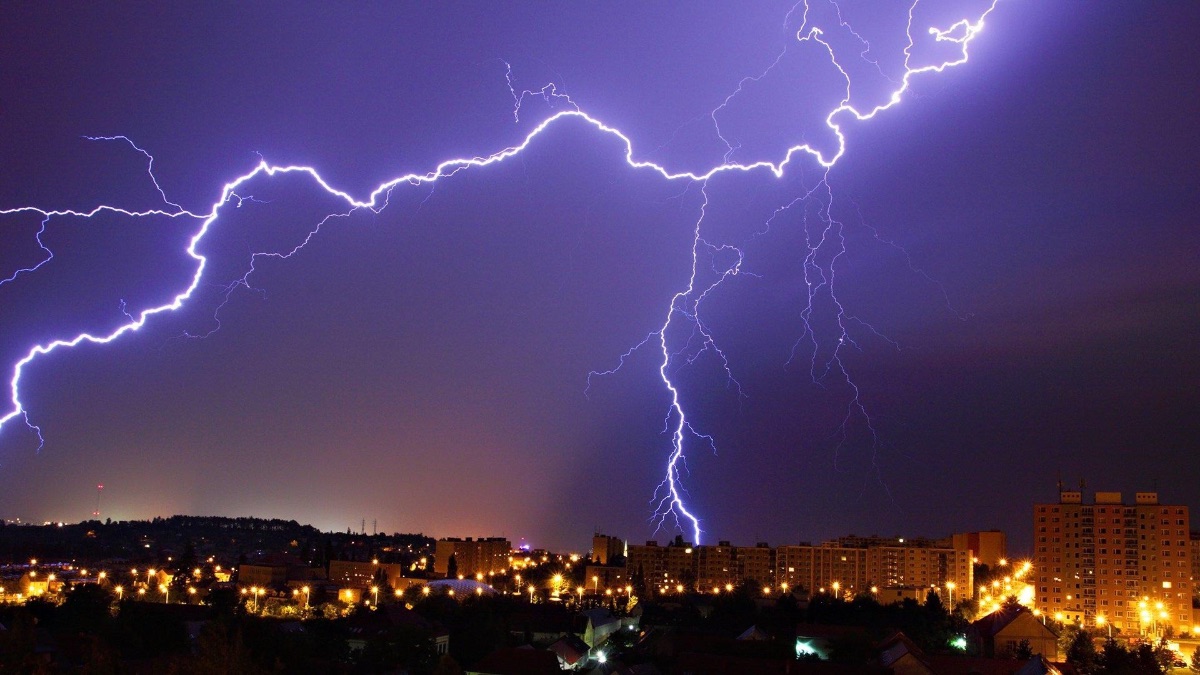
(472, 556)
(360, 575)
(870, 564)
(988, 547)
(1125, 564)
(606, 549)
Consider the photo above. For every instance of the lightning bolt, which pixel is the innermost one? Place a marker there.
(685, 305)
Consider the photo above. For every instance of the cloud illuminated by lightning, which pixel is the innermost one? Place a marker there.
(669, 499)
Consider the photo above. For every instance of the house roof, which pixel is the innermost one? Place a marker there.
(896, 646)
(570, 649)
(995, 622)
(518, 661)
(754, 633)
(599, 616)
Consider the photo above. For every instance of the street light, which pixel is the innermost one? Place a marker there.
(595, 583)
(120, 592)
(1101, 621)
(306, 590)
(375, 592)
(162, 588)
(950, 586)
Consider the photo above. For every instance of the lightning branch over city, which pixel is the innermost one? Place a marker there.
(684, 336)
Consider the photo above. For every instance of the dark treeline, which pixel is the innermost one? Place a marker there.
(230, 539)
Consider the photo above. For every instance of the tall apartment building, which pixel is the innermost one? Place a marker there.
(871, 562)
(472, 556)
(1194, 541)
(663, 566)
(1128, 563)
(818, 567)
(606, 548)
(857, 569)
(756, 564)
(353, 574)
(716, 566)
(921, 567)
(988, 547)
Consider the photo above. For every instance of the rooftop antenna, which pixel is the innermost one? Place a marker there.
(99, 490)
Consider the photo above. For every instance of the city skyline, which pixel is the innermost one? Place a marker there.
(1019, 270)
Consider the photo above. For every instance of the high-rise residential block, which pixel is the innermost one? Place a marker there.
(1125, 564)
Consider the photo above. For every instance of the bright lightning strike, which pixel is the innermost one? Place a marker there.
(669, 499)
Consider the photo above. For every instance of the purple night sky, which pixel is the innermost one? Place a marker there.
(1021, 228)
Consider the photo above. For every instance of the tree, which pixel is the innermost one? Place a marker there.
(1195, 660)
(1081, 653)
(933, 604)
(452, 567)
(86, 609)
(1024, 650)
(1146, 659)
(380, 581)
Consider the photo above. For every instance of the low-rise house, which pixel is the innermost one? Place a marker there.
(1002, 632)
(595, 626)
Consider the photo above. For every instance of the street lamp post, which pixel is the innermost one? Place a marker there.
(950, 587)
